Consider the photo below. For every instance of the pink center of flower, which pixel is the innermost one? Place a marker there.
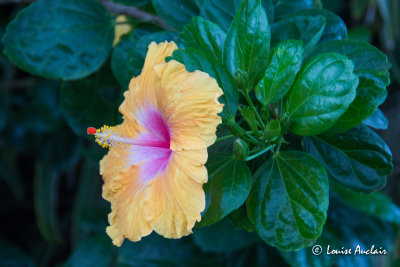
(150, 149)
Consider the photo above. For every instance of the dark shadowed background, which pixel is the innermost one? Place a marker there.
(51, 209)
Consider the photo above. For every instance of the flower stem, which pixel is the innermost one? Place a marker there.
(259, 153)
(246, 95)
(279, 145)
(223, 138)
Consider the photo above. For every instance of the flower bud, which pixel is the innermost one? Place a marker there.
(241, 80)
(240, 149)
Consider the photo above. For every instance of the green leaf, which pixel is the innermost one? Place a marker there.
(222, 237)
(335, 28)
(283, 66)
(307, 28)
(376, 204)
(198, 60)
(284, 8)
(203, 35)
(240, 219)
(377, 120)
(11, 256)
(128, 56)
(60, 39)
(45, 201)
(358, 159)
(222, 12)
(289, 200)
(155, 251)
(92, 101)
(176, 13)
(247, 42)
(95, 251)
(370, 94)
(369, 62)
(322, 92)
(227, 188)
(372, 67)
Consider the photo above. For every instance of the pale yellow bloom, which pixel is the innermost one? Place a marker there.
(154, 172)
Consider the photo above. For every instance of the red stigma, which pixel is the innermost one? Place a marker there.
(91, 130)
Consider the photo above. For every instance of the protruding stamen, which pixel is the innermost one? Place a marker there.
(91, 130)
(108, 137)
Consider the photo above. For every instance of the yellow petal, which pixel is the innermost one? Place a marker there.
(143, 89)
(174, 202)
(189, 102)
(121, 188)
(191, 162)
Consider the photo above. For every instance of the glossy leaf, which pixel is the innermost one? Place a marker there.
(198, 60)
(372, 66)
(322, 92)
(335, 28)
(247, 42)
(370, 94)
(176, 13)
(376, 204)
(222, 237)
(222, 12)
(229, 183)
(289, 200)
(45, 202)
(357, 159)
(306, 28)
(377, 120)
(284, 8)
(95, 251)
(128, 56)
(203, 35)
(92, 101)
(369, 62)
(284, 63)
(60, 39)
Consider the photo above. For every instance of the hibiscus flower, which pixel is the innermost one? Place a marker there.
(154, 171)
